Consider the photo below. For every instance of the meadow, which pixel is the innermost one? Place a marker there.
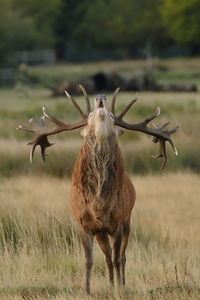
(181, 109)
(41, 256)
(40, 252)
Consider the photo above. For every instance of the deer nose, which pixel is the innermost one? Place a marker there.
(100, 103)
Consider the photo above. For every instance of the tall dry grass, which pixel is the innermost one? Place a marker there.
(41, 255)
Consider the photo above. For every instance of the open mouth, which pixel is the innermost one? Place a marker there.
(101, 104)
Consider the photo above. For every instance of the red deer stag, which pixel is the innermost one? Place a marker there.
(102, 194)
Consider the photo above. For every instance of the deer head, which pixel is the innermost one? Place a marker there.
(102, 122)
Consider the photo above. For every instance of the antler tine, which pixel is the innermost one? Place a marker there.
(87, 100)
(128, 107)
(20, 127)
(152, 117)
(43, 146)
(53, 119)
(75, 104)
(32, 152)
(165, 125)
(162, 152)
(170, 141)
(174, 130)
(113, 100)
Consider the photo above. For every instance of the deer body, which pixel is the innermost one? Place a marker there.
(102, 195)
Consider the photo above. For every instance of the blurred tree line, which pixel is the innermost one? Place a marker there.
(99, 25)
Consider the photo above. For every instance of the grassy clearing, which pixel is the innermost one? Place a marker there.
(170, 70)
(60, 162)
(181, 108)
(41, 256)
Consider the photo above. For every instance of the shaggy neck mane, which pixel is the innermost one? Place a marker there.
(100, 167)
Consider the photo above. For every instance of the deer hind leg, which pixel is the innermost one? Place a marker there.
(125, 237)
(117, 258)
(103, 241)
(87, 241)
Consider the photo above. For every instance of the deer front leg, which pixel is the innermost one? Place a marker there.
(87, 241)
(103, 241)
(125, 237)
(117, 259)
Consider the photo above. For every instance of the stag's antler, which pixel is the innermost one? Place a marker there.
(160, 134)
(42, 132)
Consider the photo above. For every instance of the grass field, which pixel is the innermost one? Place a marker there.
(40, 252)
(179, 70)
(181, 109)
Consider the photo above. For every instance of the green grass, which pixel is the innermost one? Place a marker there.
(181, 109)
(182, 70)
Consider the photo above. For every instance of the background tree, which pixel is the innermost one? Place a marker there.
(181, 18)
(43, 13)
(69, 17)
(17, 32)
(84, 26)
(120, 24)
